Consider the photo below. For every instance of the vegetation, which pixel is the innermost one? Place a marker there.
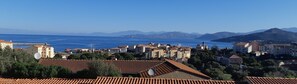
(99, 68)
(103, 56)
(23, 70)
(8, 57)
(263, 66)
(90, 56)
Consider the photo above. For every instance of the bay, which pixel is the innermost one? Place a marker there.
(61, 42)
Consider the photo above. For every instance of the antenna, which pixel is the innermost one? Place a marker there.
(37, 56)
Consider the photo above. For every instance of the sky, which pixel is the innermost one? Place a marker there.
(191, 16)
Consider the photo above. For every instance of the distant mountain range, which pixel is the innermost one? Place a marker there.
(218, 35)
(165, 35)
(140, 34)
(273, 34)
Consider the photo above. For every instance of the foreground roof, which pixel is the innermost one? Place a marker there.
(140, 67)
(46, 81)
(271, 80)
(112, 80)
(131, 80)
(126, 66)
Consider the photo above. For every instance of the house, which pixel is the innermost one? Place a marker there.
(271, 80)
(45, 51)
(137, 68)
(242, 47)
(4, 44)
(156, 53)
(234, 59)
(278, 49)
(113, 80)
(172, 52)
(184, 52)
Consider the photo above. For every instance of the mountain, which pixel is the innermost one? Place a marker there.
(165, 35)
(218, 35)
(290, 29)
(273, 34)
(123, 33)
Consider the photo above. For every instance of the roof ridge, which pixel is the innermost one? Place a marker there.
(180, 68)
(270, 77)
(152, 67)
(103, 60)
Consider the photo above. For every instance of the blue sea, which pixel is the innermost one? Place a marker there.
(61, 42)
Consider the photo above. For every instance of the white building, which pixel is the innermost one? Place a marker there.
(45, 51)
(4, 44)
(242, 47)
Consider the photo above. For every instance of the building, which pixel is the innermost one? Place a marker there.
(45, 51)
(242, 47)
(234, 59)
(156, 53)
(184, 52)
(137, 68)
(271, 80)
(277, 49)
(4, 44)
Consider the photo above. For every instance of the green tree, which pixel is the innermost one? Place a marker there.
(99, 68)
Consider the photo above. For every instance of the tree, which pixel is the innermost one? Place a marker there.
(99, 68)
(34, 70)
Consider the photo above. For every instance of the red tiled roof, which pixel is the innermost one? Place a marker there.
(46, 81)
(171, 66)
(131, 80)
(271, 80)
(140, 67)
(112, 80)
(125, 66)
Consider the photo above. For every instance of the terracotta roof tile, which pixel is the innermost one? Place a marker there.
(46, 81)
(126, 66)
(140, 67)
(271, 80)
(132, 80)
(186, 68)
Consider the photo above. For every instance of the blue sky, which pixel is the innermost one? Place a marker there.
(200, 16)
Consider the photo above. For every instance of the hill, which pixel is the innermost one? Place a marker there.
(165, 35)
(217, 35)
(273, 34)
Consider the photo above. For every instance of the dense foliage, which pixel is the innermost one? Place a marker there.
(99, 68)
(19, 64)
(103, 56)
(90, 56)
(24, 70)
(8, 57)
(263, 66)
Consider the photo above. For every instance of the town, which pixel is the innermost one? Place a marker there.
(253, 62)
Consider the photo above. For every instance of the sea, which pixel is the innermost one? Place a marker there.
(62, 42)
